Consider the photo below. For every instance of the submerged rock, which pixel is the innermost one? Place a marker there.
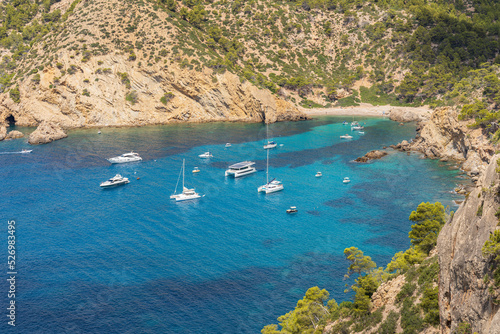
(14, 135)
(46, 132)
(375, 154)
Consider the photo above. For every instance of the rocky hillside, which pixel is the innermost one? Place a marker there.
(96, 62)
(469, 286)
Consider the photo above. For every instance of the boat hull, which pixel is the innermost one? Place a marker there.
(123, 160)
(115, 184)
(239, 174)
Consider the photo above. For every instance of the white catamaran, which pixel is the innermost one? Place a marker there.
(186, 193)
(274, 185)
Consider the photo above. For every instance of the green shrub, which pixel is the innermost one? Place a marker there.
(166, 97)
(15, 95)
(85, 92)
(132, 97)
(390, 324)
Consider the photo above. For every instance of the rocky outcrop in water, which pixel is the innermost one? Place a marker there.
(46, 132)
(464, 292)
(111, 91)
(444, 137)
(14, 134)
(372, 155)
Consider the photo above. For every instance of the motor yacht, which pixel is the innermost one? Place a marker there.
(292, 209)
(115, 181)
(206, 155)
(346, 136)
(241, 169)
(196, 170)
(127, 157)
(24, 151)
(318, 174)
(228, 144)
(346, 180)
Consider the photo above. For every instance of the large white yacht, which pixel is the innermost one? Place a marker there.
(115, 181)
(186, 192)
(127, 157)
(241, 169)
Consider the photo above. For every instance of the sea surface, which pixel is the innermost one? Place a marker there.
(130, 260)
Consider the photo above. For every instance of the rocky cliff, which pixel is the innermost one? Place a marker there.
(443, 136)
(464, 287)
(119, 93)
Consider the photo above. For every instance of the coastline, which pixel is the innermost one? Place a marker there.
(364, 109)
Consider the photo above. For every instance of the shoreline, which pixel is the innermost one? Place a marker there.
(364, 109)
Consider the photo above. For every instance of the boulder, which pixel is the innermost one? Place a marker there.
(46, 132)
(376, 154)
(3, 132)
(14, 135)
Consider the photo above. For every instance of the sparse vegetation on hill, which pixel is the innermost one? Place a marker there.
(311, 51)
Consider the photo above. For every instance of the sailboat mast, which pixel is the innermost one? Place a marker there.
(267, 168)
(183, 161)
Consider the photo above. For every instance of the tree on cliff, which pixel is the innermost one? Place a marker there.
(428, 218)
(307, 315)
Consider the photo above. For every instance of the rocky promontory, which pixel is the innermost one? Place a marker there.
(372, 155)
(46, 132)
(409, 114)
(444, 137)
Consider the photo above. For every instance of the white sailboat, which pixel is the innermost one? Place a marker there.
(272, 186)
(270, 143)
(186, 193)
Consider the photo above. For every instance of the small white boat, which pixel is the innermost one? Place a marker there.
(361, 132)
(24, 151)
(99, 132)
(318, 174)
(357, 127)
(228, 144)
(127, 157)
(186, 192)
(292, 209)
(345, 123)
(241, 169)
(346, 180)
(206, 155)
(270, 144)
(346, 136)
(196, 170)
(115, 181)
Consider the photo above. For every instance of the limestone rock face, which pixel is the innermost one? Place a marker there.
(46, 133)
(386, 293)
(443, 136)
(14, 135)
(463, 293)
(403, 114)
(95, 95)
(3, 132)
(375, 154)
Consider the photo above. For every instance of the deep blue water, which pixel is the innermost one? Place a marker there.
(129, 260)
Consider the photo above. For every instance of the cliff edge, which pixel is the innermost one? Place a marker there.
(466, 296)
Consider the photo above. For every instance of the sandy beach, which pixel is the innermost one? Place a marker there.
(364, 109)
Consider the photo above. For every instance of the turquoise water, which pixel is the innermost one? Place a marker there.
(129, 260)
